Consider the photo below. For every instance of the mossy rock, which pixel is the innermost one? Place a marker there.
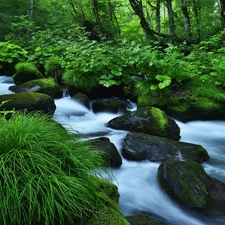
(97, 91)
(189, 184)
(45, 86)
(186, 108)
(181, 181)
(113, 105)
(139, 146)
(82, 98)
(26, 71)
(108, 212)
(29, 101)
(108, 151)
(147, 120)
(141, 219)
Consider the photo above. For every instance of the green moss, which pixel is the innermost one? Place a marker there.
(159, 117)
(108, 212)
(181, 180)
(204, 104)
(149, 100)
(30, 100)
(26, 71)
(141, 219)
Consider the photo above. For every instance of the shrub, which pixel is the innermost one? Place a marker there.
(47, 175)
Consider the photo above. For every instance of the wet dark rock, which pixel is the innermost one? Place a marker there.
(113, 105)
(23, 77)
(82, 99)
(138, 146)
(189, 184)
(147, 120)
(29, 101)
(45, 86)
(108, 151)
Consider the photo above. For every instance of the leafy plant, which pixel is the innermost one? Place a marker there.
(12, 53)
(47, 175)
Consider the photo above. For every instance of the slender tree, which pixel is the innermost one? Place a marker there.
(171, 17)
(222, 7)
(196, 9)
(187, 22)
(137, 6)
(158, 17)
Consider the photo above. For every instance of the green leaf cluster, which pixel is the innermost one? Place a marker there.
(12, 53)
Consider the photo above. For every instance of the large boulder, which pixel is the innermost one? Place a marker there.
(108, 151)
(189, 184)
(138, 146)
(46, 86)
(147, 120)
(186, 108)
(29, 101)
(113, 105)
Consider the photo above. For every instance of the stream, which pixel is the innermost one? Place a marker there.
(137, 181)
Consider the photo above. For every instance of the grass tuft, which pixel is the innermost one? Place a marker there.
(26, 67)
(46, 175)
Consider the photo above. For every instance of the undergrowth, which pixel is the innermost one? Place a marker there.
(46, 175)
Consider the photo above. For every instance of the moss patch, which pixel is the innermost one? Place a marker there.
(141, 220)
(181, 181)
(159, 117)
(108, 212)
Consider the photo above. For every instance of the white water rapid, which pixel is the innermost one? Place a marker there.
(137, 181)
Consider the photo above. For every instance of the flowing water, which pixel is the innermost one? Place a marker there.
(137, 181)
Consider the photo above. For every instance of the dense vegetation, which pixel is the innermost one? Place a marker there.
(169, 44)
(47, 176)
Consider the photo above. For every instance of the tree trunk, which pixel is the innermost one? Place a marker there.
(222, 7)
(30, 17)
(31, 8)
(112, 15)
(96, 13)
(196, 10)
(171, 17)
(158, 18)
(138, 9)
(187, 23)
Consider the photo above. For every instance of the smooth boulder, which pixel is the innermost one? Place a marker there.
(29, 101)
(45, 86)
(189, 184)
(82, 99)
(113, 105)
(138, 146)
(147, 120)
(108, 151)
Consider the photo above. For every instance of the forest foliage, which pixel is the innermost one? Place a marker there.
(168, 44)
